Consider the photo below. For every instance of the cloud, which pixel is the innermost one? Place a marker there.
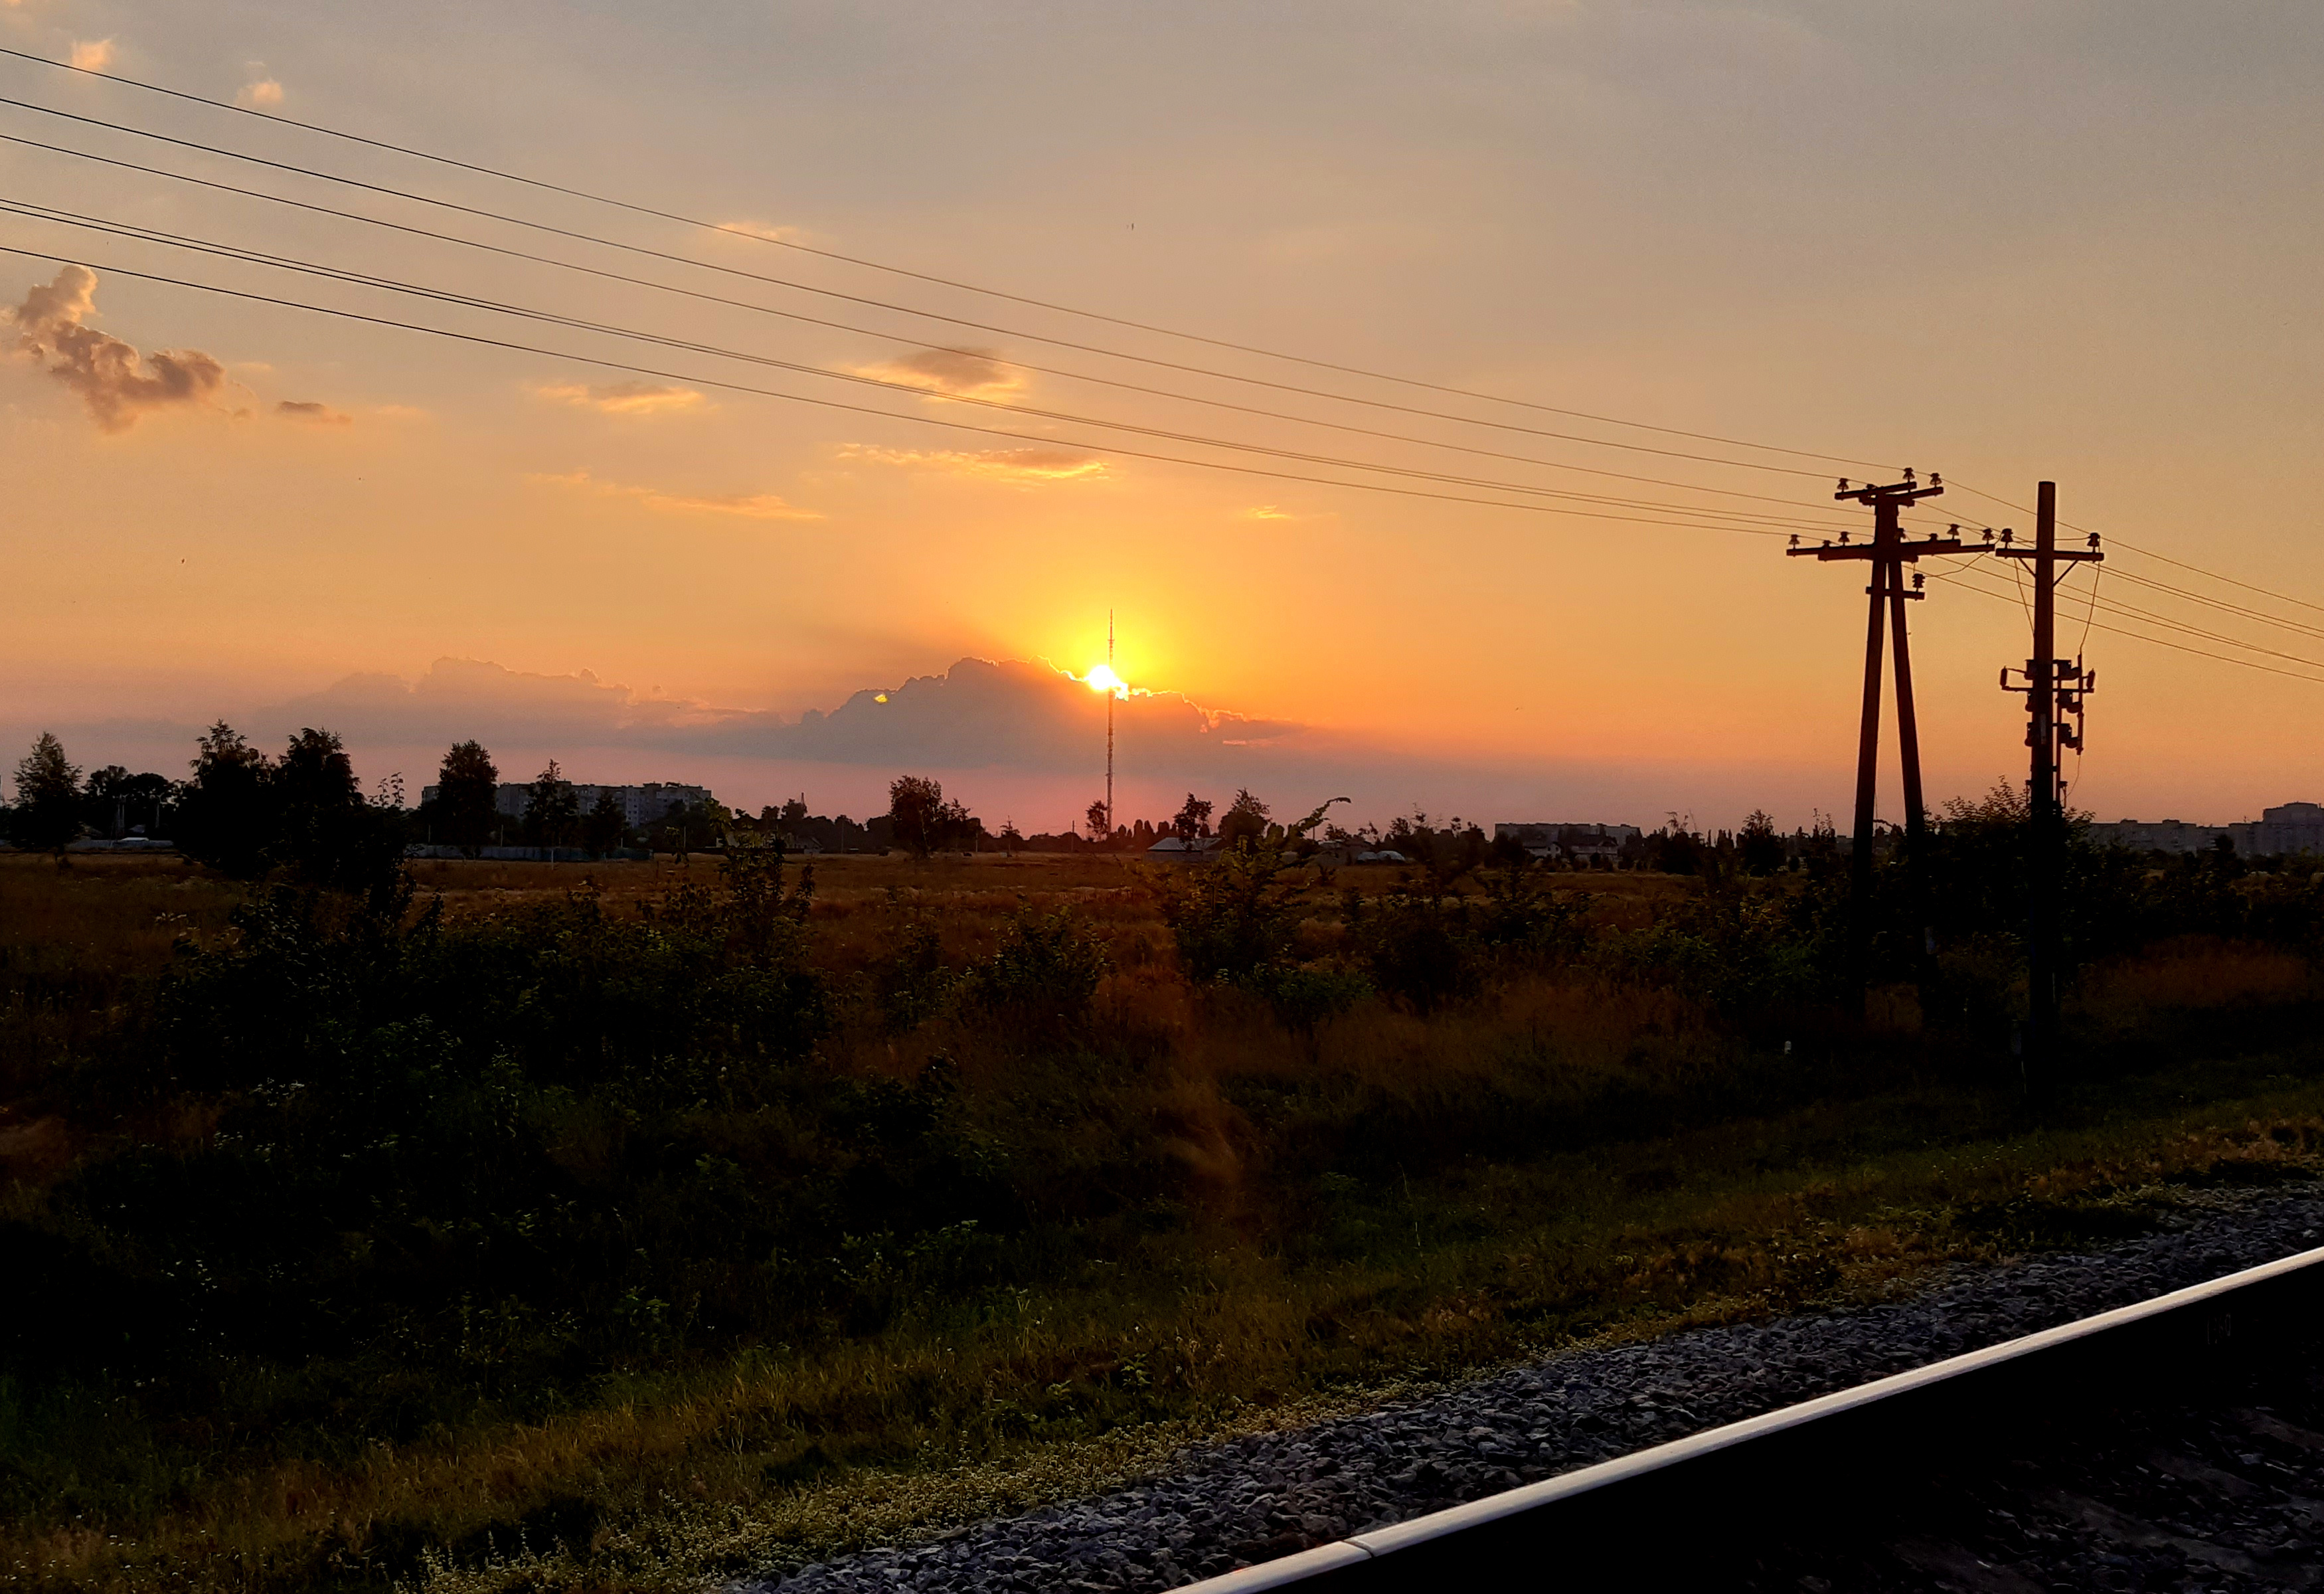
(264, 94)
(92, 55)
(971, 372)
(773, 234)
(623, 398)
(1022, 466)
(747, 506)
(1017, 715)
(317, 415)
(111, 379)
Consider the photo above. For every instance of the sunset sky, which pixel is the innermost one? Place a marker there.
(2002, 241)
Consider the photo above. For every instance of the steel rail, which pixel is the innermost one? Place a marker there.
(1810, 1457)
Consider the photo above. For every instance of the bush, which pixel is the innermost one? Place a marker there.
(1046, 971)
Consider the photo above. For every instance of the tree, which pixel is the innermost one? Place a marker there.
(550, 810)
(1194, 820)
(916, 808)
(225, 818)
(601, 830)
(116, 802)
(1244, 821)
(323, 827)
(1011, 839)
(1758, 847)
(467, 796)
(48, 797)
(1097, 819)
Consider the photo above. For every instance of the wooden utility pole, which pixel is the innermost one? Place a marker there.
(1888, 553)
(2054, 689)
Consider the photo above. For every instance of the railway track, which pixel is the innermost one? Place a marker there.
(2176, 1444)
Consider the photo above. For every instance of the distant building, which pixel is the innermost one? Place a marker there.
(1584, 846)
(2288, 828)
(641, 806)
(1183, 851)
(2175, 836)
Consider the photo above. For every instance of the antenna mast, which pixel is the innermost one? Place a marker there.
(1109, 728)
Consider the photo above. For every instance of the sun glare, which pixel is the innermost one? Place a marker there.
(1102, 678)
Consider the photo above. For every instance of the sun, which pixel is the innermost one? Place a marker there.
(1102, 678)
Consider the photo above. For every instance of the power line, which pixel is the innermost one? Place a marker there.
(1961, 579)
(905, 340)
(802, 247)
(388, 284)
(727, 386)
(878, 303)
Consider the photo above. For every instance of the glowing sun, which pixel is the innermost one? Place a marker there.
(1102, 678)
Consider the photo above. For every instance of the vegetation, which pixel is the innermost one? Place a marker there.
(626, 1225)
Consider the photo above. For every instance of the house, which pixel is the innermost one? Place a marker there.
(1584, 846)
(1181, 849)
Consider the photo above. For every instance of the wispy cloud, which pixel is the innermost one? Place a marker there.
(745, 506)
(972, 373)
(263, 93)
(92, 55)
(314, 413)
(113, 379)
(623, 398)
(1023, 466)
(760, 229)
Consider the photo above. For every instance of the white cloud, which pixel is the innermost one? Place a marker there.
(92, 55)
(1025, 467)
(623, 398)
(264, 94)
(746, 506)
(113, 379)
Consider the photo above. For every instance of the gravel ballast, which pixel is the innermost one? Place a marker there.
(1268, 1495)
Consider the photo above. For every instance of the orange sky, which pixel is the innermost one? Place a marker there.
(2002, 241)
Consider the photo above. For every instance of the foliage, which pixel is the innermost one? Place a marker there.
(225, 818)
(467, 794)
(552, 813)
(1044, 973)
(47, 790)
(924, 821)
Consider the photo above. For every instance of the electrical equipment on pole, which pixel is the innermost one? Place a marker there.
(2054, 690)
(1888, 553)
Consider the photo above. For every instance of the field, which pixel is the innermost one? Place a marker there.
(724, 1225)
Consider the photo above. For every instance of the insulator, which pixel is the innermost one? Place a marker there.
(1796, 539)
(1919, 580)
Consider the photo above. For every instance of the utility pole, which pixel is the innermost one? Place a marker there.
(2054, 689)
(1887, 553)
(1110, 692)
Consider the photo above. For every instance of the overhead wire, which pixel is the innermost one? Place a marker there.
(723, 385)
(285, 263)
(804, 248)
(639, 249)
(907, 341)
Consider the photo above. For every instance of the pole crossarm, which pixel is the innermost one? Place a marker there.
(1902, 550)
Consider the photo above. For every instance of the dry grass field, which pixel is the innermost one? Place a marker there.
(1190, 1215)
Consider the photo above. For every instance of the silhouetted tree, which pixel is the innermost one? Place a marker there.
(601, 830)
(48, 797)
(1758, 847)
(1244, 821)
(550, 809)
(468, 794)
(226, 816)
(1098, 821)
(323, 827)
(114, 802)
(916, 809)
(1194, 819)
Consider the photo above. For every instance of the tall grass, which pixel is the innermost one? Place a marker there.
(972, 1245)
